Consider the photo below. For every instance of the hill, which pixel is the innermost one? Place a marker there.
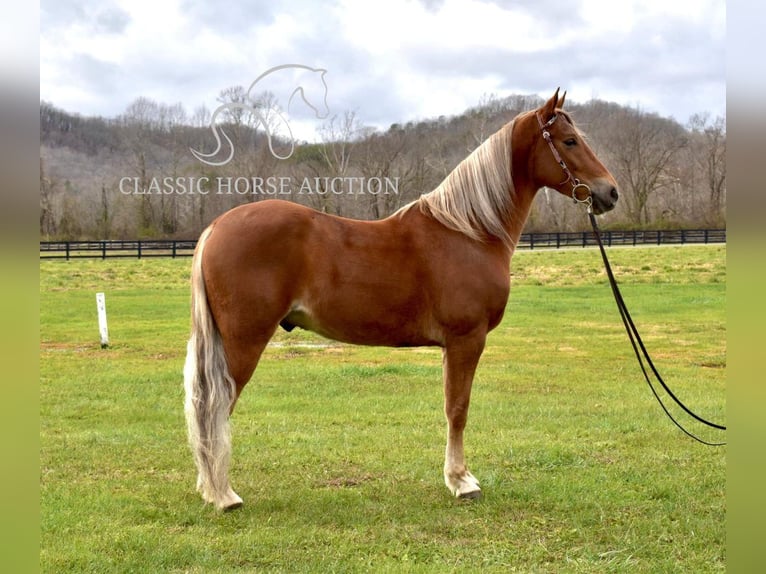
(135, 176)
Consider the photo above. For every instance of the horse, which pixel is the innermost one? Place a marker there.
(307, 76)
(434, 273)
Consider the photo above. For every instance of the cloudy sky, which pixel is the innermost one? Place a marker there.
(392, 61)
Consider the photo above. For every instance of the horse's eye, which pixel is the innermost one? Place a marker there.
(571, 142)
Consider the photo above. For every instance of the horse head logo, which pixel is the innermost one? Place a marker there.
(310, 86)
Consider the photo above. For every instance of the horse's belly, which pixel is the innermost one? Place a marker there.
(362, 326)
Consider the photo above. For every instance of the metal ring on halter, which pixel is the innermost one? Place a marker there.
(587, 199)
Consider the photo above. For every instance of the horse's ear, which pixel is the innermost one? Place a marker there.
(560, 104)
(549, 108)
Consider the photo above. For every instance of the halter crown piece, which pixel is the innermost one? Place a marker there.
(577, 187)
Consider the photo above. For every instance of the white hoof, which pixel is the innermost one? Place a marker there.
(229, 502)
(464, 486)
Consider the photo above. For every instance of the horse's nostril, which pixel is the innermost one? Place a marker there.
(613, 194)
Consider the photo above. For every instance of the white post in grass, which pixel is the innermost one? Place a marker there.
(101, 306)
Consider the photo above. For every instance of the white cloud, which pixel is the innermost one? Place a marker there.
(392, 61)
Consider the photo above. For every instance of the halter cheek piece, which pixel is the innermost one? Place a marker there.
(580, 192)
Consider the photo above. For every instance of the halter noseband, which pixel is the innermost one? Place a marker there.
(577, 187)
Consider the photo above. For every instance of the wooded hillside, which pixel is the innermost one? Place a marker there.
(134, 176)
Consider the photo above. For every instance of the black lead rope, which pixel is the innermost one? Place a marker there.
(635, 340)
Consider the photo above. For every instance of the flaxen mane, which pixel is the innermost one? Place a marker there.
(476, 198)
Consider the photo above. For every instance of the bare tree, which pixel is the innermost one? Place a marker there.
(234, 115)
(256, 125)
(47, 188)
(397, 160)
(338, 137)
(480, 120)
(105, 219)
(138, 123)
(710, 159)
(643, 146)
(201, 117)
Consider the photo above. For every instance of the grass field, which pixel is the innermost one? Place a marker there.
(338, 449)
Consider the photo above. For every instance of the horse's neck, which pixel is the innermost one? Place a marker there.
(521, 208)
(523, 189)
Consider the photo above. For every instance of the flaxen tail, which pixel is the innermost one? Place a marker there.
(210, 392)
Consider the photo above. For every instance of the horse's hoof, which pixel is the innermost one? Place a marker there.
(232, 506)
(472, 495)
(230, 501)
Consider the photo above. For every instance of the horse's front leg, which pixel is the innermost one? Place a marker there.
(460, 358)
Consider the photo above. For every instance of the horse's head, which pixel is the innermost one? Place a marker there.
(563, 160)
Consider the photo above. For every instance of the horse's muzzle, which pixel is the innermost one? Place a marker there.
(605, 196)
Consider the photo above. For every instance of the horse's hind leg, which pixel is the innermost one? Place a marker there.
(242, 360)
(460, 358)
(214, 377)
(210, 392)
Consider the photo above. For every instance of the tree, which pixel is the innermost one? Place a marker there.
(481, 120)
(139, 123)
(643, 146)
(338, 137)
(398, 158)
(710, 160)
(47, 219)
(173, 122)
(379, 159)
(105, 217)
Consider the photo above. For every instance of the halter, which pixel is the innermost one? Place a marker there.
(577, 187)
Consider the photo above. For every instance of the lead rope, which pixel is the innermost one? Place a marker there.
(635, 340)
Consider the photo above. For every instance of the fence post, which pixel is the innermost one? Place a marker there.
(66, 248)
(102, 326)
(103, 250)
(139, 249)
(174, 249)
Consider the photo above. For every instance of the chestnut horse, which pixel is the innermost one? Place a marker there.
(436, 272)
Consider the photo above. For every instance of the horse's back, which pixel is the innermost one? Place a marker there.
(279, 233)
(279, 262)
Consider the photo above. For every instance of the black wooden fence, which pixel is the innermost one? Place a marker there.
(185, 248)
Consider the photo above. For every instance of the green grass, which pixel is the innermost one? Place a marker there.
(338, 449)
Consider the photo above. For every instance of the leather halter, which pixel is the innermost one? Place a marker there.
(581, 193)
